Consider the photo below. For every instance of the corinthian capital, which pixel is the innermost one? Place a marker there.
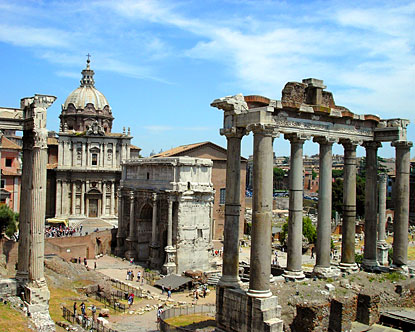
(232, 104)
(402, 144)
(233, 132)
(263, 129)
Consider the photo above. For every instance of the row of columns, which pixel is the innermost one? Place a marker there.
(259, 284)
(62, 202)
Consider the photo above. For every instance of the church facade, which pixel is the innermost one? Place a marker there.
(85, 157)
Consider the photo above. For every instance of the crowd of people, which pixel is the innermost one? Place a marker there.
(61, 231)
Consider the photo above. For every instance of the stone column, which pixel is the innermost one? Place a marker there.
(369, 256)
(119, 251)
(32, 218)
(230, 267)
(60, 153)
(154, 245)
(259, 281)
(114, 155)
(401, 218)
(73, 198)
(65, 198)
(83, 160)
(169, 266)
(295, 219)
(382, 245)
(131, 252)
(104, 198)
(87, 199)
(323, 245)
(58, 211)
(83, 198)
(348, 263)
(112, 198)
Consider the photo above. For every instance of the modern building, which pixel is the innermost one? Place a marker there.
(218, 156)
(84, 166)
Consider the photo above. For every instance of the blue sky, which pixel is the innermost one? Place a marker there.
(161, 63)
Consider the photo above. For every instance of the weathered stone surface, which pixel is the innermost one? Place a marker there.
(342, 314)
(311, 318)
(368, 308)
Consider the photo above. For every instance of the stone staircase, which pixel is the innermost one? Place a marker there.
(213, 279)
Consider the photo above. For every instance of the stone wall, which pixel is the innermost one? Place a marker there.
(8, 256)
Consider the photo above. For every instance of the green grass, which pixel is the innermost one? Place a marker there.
(186, 320)
(12, 320)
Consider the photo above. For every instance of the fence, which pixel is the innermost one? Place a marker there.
(86, 323)
(173, 312)
(127, 288)
(111, 302)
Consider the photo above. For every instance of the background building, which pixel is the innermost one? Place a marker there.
(84, 166)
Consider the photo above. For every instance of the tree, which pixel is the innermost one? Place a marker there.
(337, 195)
(309, 231)
(278, 178)
(8, 220)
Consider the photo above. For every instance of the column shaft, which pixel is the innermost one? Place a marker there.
(104, 198)
(349, 205)
(259, 281)
(82, 198)
(369, 256)
(382, 208)
(324, 206)
(112, 198)
(73, 198)
(401, 218)
(131, 233)
(58, 211)
(295, 219)
(154, 220)
(119, 251)
(170, 224)
(230, 267)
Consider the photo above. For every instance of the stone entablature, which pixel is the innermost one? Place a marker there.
(165, 213)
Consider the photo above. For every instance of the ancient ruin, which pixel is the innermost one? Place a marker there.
(31, 283)
(165, 213)
(305, 111)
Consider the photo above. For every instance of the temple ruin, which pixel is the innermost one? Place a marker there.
(306, 111)
(31, 283)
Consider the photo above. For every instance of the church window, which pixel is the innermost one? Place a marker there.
(222, 196)
(94, 159)
(9, 162)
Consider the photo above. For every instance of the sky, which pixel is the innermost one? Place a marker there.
(161, 63)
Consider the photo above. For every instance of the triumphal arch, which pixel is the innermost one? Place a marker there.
(305, 111)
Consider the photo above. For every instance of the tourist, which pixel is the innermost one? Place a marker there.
(138, 276)
(93, 310)
(74, 309)
(85, 262)
(83, 309)
(159, 312)
(162, 289)
(95, 265)
(312, 252)
(79, 260)
(130, 300)
(169, 292)
(204, 291)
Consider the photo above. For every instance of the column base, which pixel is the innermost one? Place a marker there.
(259, 293)
(382, 250)
(369, 264)
(293, 275)
(325, 272)
(230, 281)
(237, 311)
(348, 267)
(170, 266)
(403, 269)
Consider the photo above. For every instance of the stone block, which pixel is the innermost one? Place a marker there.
(342, 314)
(311, 318)
(330, 287)
(368, 308)
(8, 287)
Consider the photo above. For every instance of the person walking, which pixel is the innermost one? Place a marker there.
(169, 293)
(74, 309)
(159, 312)
(83, 308)
(93, 310)
(95, 265)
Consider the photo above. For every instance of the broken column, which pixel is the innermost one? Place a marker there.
(30, 274)
(369, 255)
(382, 246)
(295, 218)
(401, 218)
(348, 263)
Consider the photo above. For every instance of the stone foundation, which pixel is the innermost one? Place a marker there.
(238, 312)
(311, 318)
(368, 308)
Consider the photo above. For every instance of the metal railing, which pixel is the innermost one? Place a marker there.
(112, 302)
(86, 323)
(127, 288)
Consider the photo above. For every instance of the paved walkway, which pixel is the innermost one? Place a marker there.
(117, 268)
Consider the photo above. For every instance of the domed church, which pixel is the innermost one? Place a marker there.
(84, 166)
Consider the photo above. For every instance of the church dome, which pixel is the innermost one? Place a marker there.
(86, 93)
(85, 106)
